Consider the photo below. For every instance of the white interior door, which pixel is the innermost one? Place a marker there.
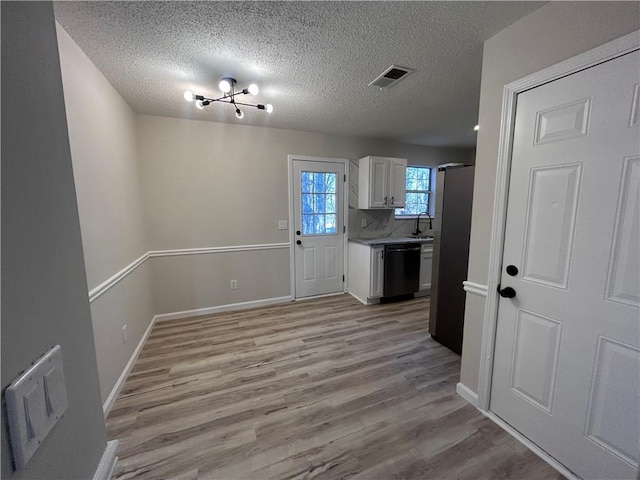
(318, 196)
(567, 356)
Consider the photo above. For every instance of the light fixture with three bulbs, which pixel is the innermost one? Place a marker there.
(227, 86)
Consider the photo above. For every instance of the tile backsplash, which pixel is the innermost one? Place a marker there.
(379, 223)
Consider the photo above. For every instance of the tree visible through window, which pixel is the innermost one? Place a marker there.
(418, 192)
(319, 200)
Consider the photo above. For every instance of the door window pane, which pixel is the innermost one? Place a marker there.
(307, 203)
(319, 203)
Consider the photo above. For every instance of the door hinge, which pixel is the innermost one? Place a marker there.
(345, 178)
(344, 229)
(343, 278)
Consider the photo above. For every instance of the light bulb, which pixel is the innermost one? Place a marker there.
(199, 105)
(253, 89)
(239, 113)
(225, 85)
(269, 108)
(189, 96)
(476, 128)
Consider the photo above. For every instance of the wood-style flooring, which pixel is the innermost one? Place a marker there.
(325, 388)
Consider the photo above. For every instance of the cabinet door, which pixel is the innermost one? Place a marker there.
(378, 183)
(397, 182)
(426, 262)
(377, 272)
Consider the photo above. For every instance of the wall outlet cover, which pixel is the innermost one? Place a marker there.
(283, 225)
(234, 284)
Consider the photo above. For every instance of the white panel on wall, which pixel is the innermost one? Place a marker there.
(535, 358)
(551, 216)
(562, 122)
(309, 264)
(331, 262)
(623, 284)
(613, 420)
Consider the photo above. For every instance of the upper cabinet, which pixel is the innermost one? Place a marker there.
(382, 182)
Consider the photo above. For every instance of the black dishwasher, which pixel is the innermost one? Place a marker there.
(401, 269)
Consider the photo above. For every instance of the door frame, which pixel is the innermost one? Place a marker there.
(601, 54)
(345, 216)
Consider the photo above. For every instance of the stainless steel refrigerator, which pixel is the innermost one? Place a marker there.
(451, 231)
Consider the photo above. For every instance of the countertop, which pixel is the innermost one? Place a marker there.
(386, 240)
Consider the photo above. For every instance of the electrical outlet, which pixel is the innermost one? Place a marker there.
(363, 222)
(234, 284)
(125, 334)
(282, 225)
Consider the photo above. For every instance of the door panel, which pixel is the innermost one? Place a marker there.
(535, 358)
(551, 218)
(623, 283)
(567, 356)
(616, 385)
(318, 196)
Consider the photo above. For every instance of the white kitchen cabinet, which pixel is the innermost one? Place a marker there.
(426, 261)
(382, 182)
(366, 272)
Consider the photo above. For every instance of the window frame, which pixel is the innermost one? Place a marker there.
(431, 192)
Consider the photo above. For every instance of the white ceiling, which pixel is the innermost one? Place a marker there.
(312, 60)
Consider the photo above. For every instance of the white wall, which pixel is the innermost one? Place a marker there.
(103, 143)
(555, 32)
(44, 288)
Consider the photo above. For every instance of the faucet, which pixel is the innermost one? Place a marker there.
(418, 231)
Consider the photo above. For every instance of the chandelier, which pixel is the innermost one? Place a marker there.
(228, 87)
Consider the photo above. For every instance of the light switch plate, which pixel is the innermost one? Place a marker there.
(35, 402)
(282, 225)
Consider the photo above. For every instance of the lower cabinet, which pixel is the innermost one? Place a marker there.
(426, 261)
(366, 272)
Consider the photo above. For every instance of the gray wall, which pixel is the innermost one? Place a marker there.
(555, 32)
(212, 184)
(44, 289)
(102, 135)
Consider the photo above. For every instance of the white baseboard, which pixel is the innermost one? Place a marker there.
(221, 308)
(107, 462)
(466, 393)
(115, 391)
(530, 445)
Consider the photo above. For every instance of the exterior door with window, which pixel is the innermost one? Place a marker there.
(318, 196)
(566, 368)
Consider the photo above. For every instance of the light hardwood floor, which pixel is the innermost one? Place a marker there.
(325, 388)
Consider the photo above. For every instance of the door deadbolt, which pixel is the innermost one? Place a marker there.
(512, 270)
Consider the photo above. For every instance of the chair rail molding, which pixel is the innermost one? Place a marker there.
(603, 53)
(475, 288)
(96, 292)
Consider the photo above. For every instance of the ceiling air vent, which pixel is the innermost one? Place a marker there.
(390, 76)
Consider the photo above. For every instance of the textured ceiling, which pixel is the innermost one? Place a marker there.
(312, 60)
